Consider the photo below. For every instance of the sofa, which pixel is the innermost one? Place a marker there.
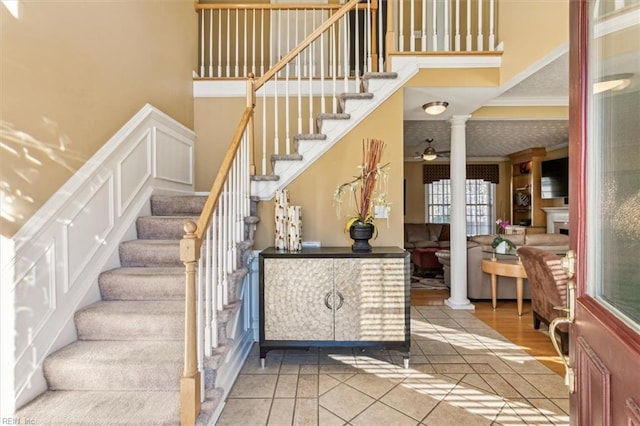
(423, 240)
(479, 247)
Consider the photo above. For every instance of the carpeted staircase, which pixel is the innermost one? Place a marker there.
(126, 365)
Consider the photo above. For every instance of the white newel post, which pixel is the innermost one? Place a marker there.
(458, 299)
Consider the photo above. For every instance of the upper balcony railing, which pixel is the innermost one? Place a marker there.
(238, 39)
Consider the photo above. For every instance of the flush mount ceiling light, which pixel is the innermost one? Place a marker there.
(435, 107)
(612, 82)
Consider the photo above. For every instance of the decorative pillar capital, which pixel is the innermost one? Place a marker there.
(459, 120)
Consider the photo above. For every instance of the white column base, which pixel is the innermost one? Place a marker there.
(468, 306)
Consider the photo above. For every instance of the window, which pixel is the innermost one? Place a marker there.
(480, 195)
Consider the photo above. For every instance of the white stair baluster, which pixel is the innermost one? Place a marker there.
(424, 30)
(457, 35)
(244, 62)
(401, 26)
(264, 131)
(236, 69)
(381, 36)
(334, 70)
(469, 39)
(211, 43)
(202, 13)
(219, 43)
(228, 67)
(492, 37)
(480, 41)
(446, 36)
(412, 19)
(262, 42)
(434, 22)
(322, 97)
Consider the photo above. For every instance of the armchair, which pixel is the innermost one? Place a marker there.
(548, 288)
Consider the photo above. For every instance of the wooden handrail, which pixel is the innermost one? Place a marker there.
(305, 43)
(280, 6)
(218, 183)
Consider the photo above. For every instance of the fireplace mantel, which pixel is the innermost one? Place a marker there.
(556, 215)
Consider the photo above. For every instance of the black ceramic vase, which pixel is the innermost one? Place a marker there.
(361, 233)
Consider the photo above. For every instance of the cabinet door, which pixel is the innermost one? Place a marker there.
(374, 295)
(294, 299)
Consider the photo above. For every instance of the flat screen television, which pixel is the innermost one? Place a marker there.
(555, 178)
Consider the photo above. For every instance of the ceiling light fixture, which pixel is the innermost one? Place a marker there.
(435, 107)
(429, 154)
(612, 82)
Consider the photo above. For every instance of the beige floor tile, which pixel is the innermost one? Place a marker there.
(281, 412)
(483, 368)
(345, 402)
(252, 366)
(500, 386)
(476, 381)
(550, 385)
(430, 312)
(287, 386)
(290, 368)
(445, 359)
(326, 383)
(520, 411)
(308, 386)
(308, 369)
(254, 386)
(327, 418)
(381, 414)
(412, 399)
(497, 364)
(244, 412)
(553, 412)
(453, 368)
(434, 347)
(448, 415)
(340, 376)
(475, 401)
(563, 403)
(523, 387)
(372, 385)
(338, 369)
(306, 412)
(420, 369)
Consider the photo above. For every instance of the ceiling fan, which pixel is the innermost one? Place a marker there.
(430, 153)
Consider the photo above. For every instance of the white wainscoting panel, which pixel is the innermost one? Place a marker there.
(58, 254)
(174, 160)
(133, 171)
(36, 286)
(88, 228)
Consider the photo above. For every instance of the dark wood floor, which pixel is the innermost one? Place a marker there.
(505, 321)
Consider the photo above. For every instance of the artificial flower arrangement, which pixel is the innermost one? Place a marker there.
(369, 189)
(501, 226)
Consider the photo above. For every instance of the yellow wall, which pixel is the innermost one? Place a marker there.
(530, 30)
(313, 190)
(72, 73)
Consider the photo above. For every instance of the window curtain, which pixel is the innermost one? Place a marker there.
(435, 172)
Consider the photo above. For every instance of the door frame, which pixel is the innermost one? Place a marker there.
(586, 306)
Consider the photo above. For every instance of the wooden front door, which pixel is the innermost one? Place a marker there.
(604, 205)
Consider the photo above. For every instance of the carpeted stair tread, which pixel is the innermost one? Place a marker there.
(172, 205)
(142, 284)
(150, 253)
(116, 365)
(131, 320)
(81, 408)
(162, 227)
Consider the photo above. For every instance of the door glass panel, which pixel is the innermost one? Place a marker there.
(614, 157)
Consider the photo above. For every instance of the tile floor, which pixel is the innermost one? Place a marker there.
(462, 372)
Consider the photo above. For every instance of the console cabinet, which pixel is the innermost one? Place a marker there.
(334, 297)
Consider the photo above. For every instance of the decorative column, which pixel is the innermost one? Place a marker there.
(458, 249)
